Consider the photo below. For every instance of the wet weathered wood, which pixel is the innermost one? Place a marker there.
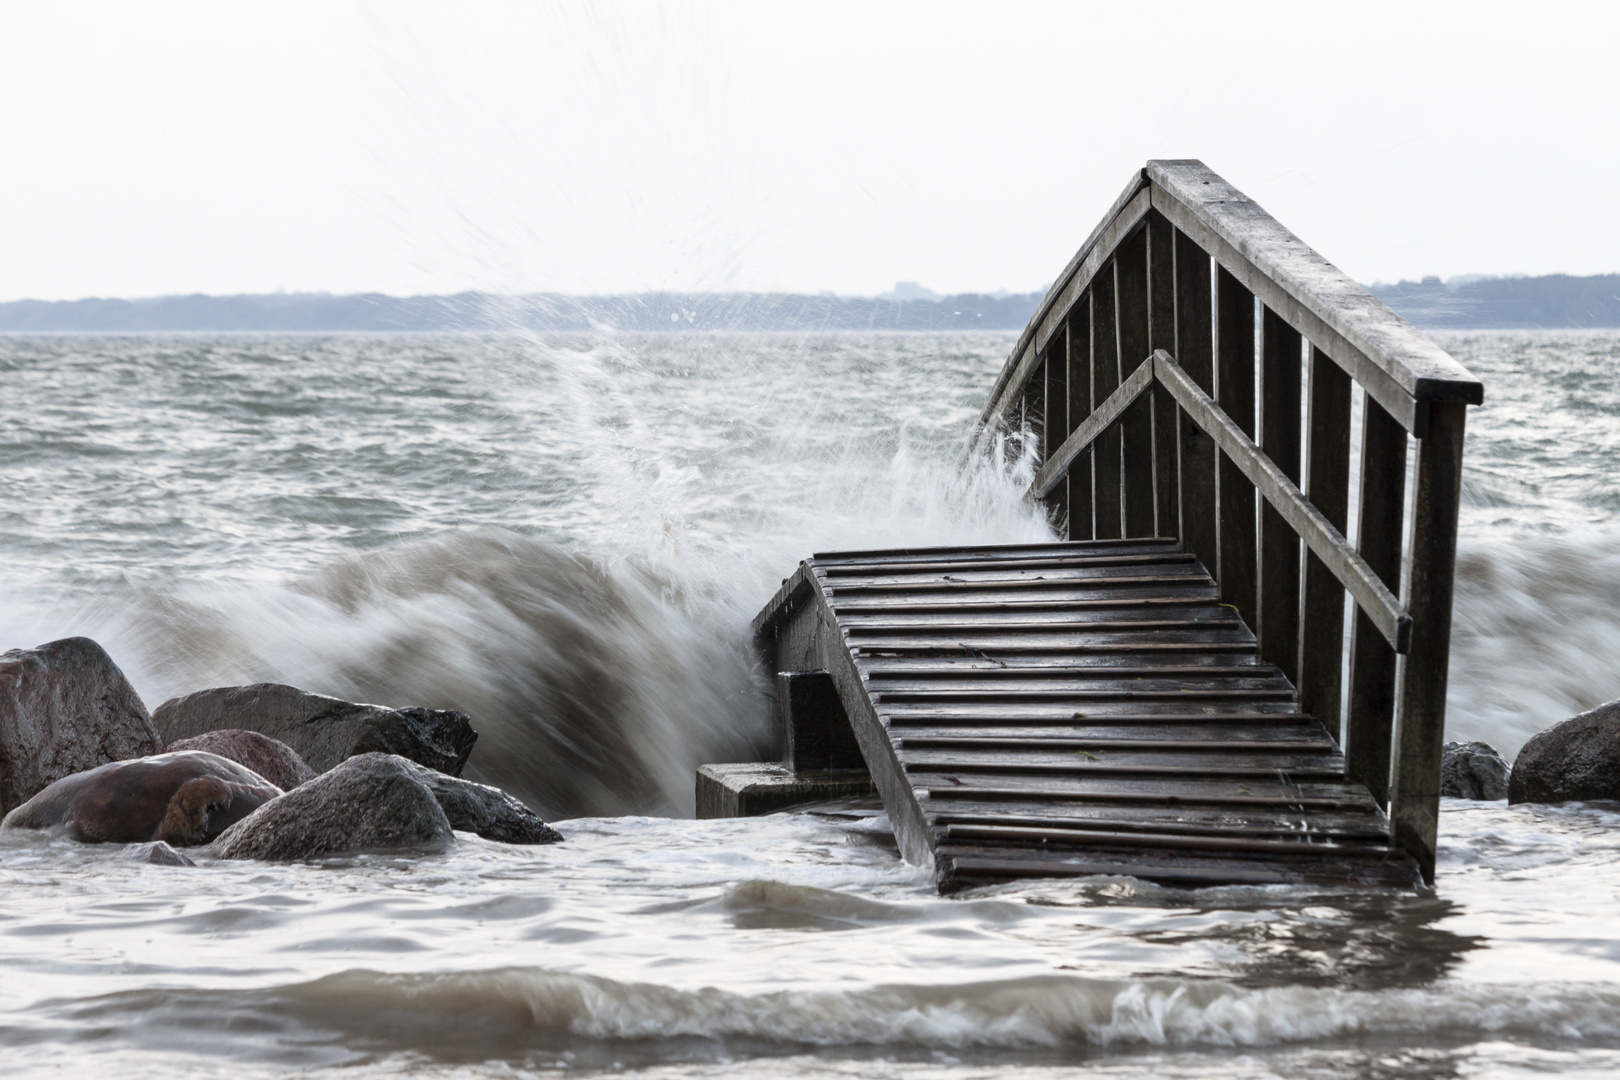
(1321, 652)
(1056, 425)
(1234, 395)
(1280, 395)
(1371, 715)
(1094, 433)
(1195, 352)
(1105, 379)
(1077, 478)
(1415, 796)
(1162, 335)
(1131, 300)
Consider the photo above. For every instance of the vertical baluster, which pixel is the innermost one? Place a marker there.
(1104, 381)
(1136, 426)
(1194, 351)
(1078, 338)
(1321, 649)
(1279, 548)
(1414, 807)
(1056, 425)
(1162, 335)
(1372, 661)
(1234, 393)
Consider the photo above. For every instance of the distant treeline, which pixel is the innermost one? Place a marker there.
(1549, 302)
(484, 311)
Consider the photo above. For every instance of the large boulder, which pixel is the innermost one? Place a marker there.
(1473, 770)
(182, 799)
(1578, 759)
(487, 811)
(371, 802)
(65, 707)
(323, 730)
(270, 758)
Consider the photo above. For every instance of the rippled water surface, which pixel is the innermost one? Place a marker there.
(567, 538)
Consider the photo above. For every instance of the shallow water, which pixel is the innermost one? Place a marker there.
(566, 538)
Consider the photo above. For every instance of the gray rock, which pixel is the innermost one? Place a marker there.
(65, 707)
(371, 802)
(185, 798)
(1473, 770)
(270, 758)
(322, 730)
(487, 811)
(159, 854)
(1578, 759)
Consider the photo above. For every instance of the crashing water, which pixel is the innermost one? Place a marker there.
(567, 538)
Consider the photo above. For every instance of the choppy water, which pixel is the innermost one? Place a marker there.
(566, 538)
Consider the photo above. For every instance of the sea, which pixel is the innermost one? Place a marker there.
(566, 538)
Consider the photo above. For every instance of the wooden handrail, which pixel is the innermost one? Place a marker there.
(1179, 371)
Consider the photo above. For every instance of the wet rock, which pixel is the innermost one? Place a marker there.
(371, 802)
(322, 730)
(65, 707)
(182, 799)
(1473, 770)
(159, 854)
(487, 811)
(1578, 759)
(270, 758)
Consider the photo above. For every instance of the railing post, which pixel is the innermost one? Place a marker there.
(1136, 426)
(1414, 807)
(1104, 381)
(1372, 661)
(1234, 393)
(1194, 352)
(1056, 427)
(1321, 646)
(1162, 335)
(1077, 338)
(1280, 360)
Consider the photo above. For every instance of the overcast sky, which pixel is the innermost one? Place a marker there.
(221, 148)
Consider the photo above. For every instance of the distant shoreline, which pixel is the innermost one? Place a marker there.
(1549, 302)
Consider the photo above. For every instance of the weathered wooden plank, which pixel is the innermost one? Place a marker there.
(1141, 740)
(1060, 837)
(881, 666)
(1202, 765)
(1033, 569)
(1371, 714)
(1368, 588)
(1105, 713)
(1105, 379)
(1105, 736)
(1077, 477)
(1317, 299)
(1321, 825)
(1321, 650)
(1420, 735)
(1018, 582)
(1131, 327)
(1091, 433)
(964, 866)
(997, 554)
(1162, 335)
(1256, 792)
(1014, 682)
(1280, 403)
(1233, 639)
(1195, 352)
(1004, 695)
(1056, 421)
(1234, 395)
(1121, 598)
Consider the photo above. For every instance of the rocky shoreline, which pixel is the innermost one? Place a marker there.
(266, 771)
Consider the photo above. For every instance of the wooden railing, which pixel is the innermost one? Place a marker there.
(1193, 373)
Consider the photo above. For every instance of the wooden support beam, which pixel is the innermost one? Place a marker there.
(1162, 335)
(1056, 426)
(1321, 648)
(1078, 479)
(1414, 807)
(1195, 352)
(1136, 426)
(1105, 379)
(1280, 369)
(1234, 394)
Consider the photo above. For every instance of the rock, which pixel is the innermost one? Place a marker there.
(159, 854)
(322, 730)
(1473, 770)
(182, 799)
(270, 758)
(369, 802)
(1578, 759)
(487, 811)
(65, 707)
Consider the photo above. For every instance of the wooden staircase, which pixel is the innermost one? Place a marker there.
(1072, 709)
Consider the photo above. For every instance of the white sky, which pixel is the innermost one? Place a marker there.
(405, 148)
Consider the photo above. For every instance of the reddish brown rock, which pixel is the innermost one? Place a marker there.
(323, 730)
(182, 799)
(270, 758)
(64, 708)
